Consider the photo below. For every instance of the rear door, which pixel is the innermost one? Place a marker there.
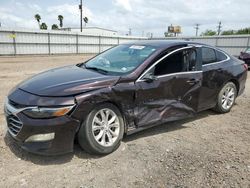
(214, 76)
(169, 89)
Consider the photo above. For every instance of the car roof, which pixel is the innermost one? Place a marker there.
(162, 43)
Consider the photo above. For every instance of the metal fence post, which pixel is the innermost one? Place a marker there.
(77, 48)
(14, 41)
(216, 41)
(118, 40)
(49, 43)
(248, 42)
(99, 44)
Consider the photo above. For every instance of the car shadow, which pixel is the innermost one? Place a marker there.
(79, 153)
(167, 127)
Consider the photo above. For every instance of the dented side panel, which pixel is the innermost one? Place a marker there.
(168, 98)
(121, 95)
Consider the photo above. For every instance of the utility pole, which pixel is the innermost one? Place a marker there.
(219, 28)
(197, 29)
(80, 7)
(130, 32)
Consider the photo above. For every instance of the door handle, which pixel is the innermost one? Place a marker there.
(193, 81)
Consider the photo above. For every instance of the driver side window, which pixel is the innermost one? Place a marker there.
(181, 61)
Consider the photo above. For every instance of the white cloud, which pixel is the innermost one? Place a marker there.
(69, 12)
(11, 18)
(125, 4)
(140, 15)
(154, 16)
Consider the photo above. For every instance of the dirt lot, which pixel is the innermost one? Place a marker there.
(209, 150)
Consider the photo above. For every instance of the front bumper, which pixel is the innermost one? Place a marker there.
(22, 127)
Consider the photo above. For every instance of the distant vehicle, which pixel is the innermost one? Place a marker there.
(123, 90)
(245, 56)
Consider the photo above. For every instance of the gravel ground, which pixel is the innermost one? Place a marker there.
(209, 150)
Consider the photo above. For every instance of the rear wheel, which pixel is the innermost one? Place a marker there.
(226, 98)
(102, 131)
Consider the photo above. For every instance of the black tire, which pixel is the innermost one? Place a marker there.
(86, 137)
(219, 106)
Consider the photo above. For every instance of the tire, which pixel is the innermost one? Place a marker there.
(227, 94)
(96, 125)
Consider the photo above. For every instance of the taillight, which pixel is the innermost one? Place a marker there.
(245, 66)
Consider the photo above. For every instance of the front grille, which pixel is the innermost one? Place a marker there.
(14, 124)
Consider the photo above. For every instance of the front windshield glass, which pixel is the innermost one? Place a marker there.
(121, 59)
(248, 50)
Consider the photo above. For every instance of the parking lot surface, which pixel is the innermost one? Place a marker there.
(209, 150)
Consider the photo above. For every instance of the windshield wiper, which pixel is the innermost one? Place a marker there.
(97, 69)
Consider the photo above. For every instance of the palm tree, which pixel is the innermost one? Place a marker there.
(86, 20)
(44, 26)
(60, 18)
(38, 19)
(54, 27)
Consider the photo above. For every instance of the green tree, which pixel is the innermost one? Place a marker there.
(38, 19)
(208, 33)
(86, 20)
(60, 18)
(228, 32)
(243, 31)
(54, 27)
(44, 26)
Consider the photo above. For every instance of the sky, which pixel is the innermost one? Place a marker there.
(142, 16)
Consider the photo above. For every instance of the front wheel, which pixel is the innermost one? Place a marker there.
(102, 131)
(226, 98)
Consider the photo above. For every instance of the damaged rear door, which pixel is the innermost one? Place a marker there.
(169, 90)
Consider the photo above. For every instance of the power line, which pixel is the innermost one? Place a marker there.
(197, 27)
(219, 28)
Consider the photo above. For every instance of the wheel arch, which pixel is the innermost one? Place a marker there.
(119, 106)
(236, 84)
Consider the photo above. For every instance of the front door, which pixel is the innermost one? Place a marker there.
(169, 89)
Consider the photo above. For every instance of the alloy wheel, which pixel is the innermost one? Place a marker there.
(106, 127)
(228, 98)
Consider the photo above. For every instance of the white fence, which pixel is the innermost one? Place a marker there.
(231, 44)
(20, 42)
(56, 42)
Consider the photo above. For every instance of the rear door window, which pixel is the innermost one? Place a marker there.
(221, 56)
(208, 55)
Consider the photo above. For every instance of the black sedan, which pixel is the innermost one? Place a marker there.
(123, 90)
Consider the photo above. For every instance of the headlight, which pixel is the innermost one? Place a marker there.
(42, 113)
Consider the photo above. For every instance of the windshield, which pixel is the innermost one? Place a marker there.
(248, 50)
(121, 59)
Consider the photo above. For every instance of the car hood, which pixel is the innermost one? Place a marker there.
(66, 81)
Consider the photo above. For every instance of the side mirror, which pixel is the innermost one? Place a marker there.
(149, 78)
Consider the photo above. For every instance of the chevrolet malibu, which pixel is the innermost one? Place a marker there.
(123, 90)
